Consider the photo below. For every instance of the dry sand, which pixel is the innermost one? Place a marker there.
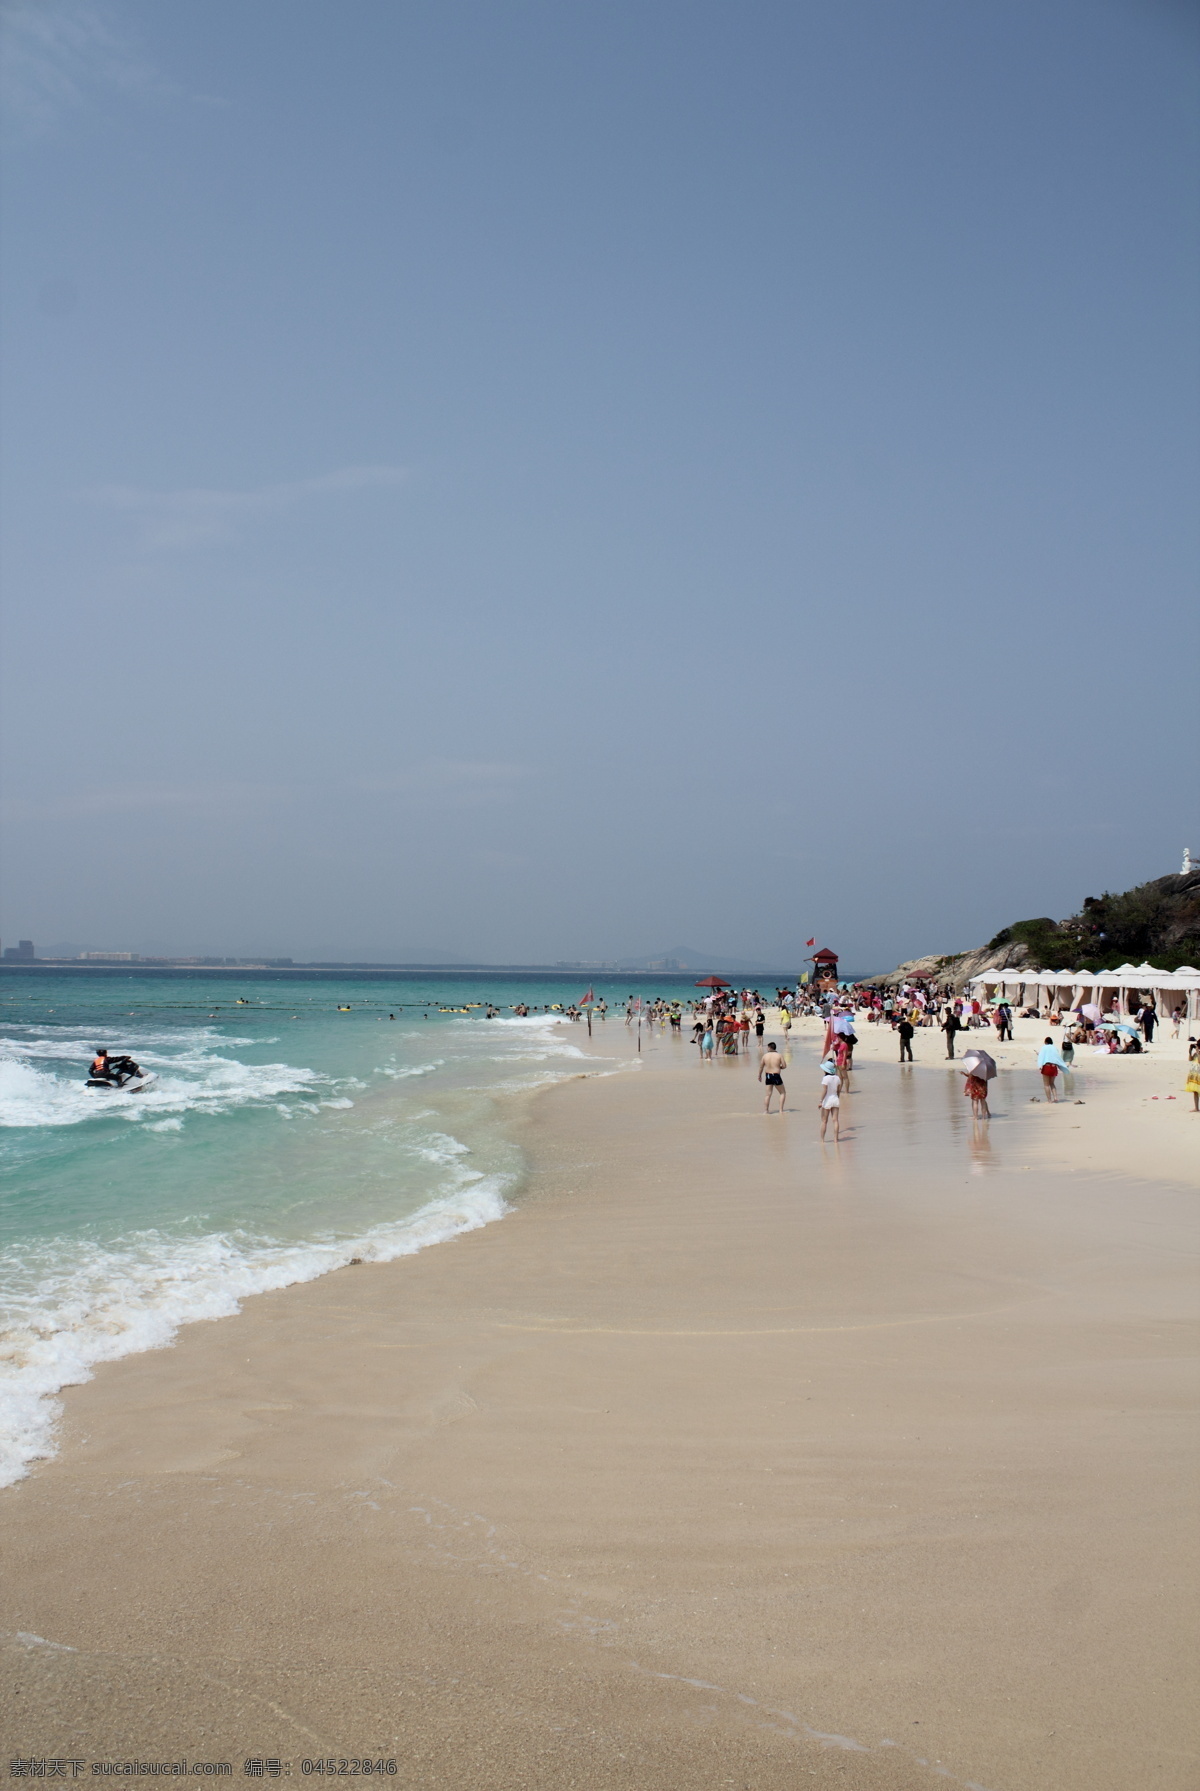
(725, 1460)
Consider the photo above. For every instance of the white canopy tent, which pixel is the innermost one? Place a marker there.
(1069, 989)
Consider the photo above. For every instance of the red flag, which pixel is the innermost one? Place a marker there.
(587, 998)
(810, 942)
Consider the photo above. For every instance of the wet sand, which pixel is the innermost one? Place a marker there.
(725, 1460)
(1132, 1113)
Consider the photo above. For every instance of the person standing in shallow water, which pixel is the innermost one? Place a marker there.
(770, 1071)
(906, 1029)
(830, 1101)
(1050, 1063)
(975, 1089)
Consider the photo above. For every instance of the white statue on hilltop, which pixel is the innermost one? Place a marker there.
(1189, 863)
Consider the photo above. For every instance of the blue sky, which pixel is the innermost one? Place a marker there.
(532, 481)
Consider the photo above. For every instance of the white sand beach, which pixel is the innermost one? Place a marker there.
(726, 1459)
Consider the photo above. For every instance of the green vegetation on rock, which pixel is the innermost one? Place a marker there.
(1157, 923)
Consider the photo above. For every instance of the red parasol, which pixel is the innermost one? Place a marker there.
(712, 982)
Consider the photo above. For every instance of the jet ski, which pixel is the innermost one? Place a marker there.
(123, 1075)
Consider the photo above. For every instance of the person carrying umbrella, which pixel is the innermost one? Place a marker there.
(978, 1069)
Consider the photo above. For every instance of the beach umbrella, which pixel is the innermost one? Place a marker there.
(712, 982)
(1118, 1026)
(1090, 1011)
(979, 1063)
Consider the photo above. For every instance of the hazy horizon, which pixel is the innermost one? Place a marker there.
(541, 480)
(665, 962)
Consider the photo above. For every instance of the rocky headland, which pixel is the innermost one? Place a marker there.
(1156, 923)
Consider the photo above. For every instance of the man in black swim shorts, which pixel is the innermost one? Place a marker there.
(770, 1071)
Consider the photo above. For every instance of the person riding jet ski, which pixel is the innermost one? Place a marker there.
(107, 1071)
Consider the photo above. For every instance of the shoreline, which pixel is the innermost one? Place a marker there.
(721, 1454)
(242, 1269)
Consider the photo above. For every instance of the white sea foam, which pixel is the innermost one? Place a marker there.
(89, 1303)
(529, 1022)
(552, 1050)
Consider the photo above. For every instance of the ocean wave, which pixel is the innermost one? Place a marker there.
(527, 1021)
(90, 1303)
(37, 1042)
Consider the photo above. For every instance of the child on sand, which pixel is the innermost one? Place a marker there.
(830, 1101)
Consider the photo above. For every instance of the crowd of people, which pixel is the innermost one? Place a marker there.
(723, 1022)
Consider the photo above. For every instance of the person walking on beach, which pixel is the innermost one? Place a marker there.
(950, 1025)
(1147, 1020)
(906, 1030)
(830, 1101)
(770, 1072)
(1192, 1085)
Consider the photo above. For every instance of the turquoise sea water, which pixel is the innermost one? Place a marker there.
(281, 1137)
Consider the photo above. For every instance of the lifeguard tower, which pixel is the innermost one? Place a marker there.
(825, 967)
